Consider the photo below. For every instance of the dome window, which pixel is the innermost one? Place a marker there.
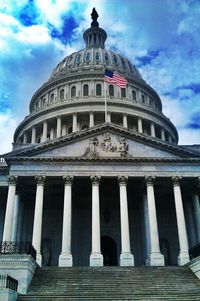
(52, 97)
(73, 91)
(98, 90)
(78, 59)
(87, 57)
(115, 60)
(85, 90)
(111, 90)
(123, 92)
(97, 58)
(69, 61)
(123, 63)
(133, 95)
(106, 58)
(62, 94)
(143, 98)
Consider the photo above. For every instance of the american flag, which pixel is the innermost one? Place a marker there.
(114, 78)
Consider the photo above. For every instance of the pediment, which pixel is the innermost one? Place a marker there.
(105, 142)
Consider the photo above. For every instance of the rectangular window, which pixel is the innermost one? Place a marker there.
(123, 92)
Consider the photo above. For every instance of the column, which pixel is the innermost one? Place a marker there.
(155, 257)
(74, 123)
(44, 132)
(25, 138)
(58, 129)
(37, 224)
(15, 218)
(146, 228)
(153, 134)
(91, 119)
(33, 135)
(196, 206)
(51, 133)
(108, 117)
(163, 134)
(64, 129)
(126, 257)
(65, 258)
(96, 258)
(183, 257)
(140, 129)
(191, 224)
(125, 122)
(7, 232)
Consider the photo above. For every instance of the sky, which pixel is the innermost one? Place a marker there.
(160, 37)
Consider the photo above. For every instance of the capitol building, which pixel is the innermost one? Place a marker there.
(96, 176)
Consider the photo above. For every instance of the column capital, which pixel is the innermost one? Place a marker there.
(40, 180)
(150, 180)
(122, 180)
(12, 180)
(95, 180)
(176, 180)
(68, 180)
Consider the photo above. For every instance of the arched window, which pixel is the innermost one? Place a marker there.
(98, 90)
(85, 90)
(52, 97)
(111, 90)
(73, 91)
(62, 94)
(133, 95)
(143, 98)
(123, 92)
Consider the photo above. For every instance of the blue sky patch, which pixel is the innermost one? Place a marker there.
(66, 32)
(147, 59)
(28, 16)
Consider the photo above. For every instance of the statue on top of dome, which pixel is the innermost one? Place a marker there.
(95, 16)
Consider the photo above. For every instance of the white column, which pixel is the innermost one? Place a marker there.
(196, 206)
(37, 224)
(91, 119)
(163, 134)
(96, 258)
(20, 221)
(170, 139)
(126, 257)
(7, 232)
(44, 132)
(65, 258)
(183, 257)
(74, 123)
(153, 134)
(108, 117)
(155, 258)
(52, 133)
(15, 218)
(25, 138)
(64, 129)
(33, 135)
(125, 122)
(146, 228)
(190, 221)
(140, 129)
(58, 129)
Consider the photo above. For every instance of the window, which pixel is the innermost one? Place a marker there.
(85, 90)
(133, 95)
(123, 92)
(52, 97)
(84, 127)
(143, 98)
(62, 94)
(111, 90)
(73, 91)
(98, 90)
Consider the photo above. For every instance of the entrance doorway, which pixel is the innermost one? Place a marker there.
(109, 251)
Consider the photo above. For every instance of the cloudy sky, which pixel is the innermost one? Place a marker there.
(161, 37)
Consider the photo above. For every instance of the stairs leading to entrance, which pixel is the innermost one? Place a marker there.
(113, 283)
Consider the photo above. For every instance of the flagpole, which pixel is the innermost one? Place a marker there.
(105, 101)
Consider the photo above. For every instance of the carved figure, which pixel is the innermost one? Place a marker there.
(123, 147)
(91, 150)
(94, 16)
(107, 145)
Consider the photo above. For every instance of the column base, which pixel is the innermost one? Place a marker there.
(126, 260)
(39, 259)
(65, 260)
(183, 258)
(96, 259)
(155, 259)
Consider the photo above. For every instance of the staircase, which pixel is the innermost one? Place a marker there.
(113, 283)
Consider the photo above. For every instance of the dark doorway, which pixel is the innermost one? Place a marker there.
(109, 251)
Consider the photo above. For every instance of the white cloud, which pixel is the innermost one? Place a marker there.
(8, 124)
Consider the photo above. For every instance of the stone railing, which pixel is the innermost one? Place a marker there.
(12, 247)
(7, 281)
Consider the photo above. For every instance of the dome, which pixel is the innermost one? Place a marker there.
(73, 98)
